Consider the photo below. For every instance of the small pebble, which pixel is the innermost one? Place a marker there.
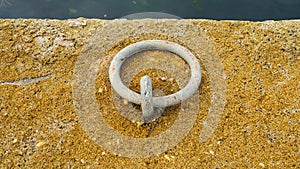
(40, 144)
(5, 113)
(139, 124)
(169, 158)
(77, 23)
(19, 152)
(262, 165)
(125, 102)
(163, 78)
(171, 79)
(100, 90)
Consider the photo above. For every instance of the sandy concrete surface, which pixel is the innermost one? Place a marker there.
(40, 128)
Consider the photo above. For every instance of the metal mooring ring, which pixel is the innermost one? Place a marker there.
(162, 45)
(92, 118)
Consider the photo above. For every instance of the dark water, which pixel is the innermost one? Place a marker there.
(109, 9)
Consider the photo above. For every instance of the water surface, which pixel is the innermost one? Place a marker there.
(110, 9)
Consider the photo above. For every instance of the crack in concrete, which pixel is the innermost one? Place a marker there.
(26, 81)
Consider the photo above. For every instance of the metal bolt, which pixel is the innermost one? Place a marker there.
(146, 93)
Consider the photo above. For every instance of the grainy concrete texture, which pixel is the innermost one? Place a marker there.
(259, 127)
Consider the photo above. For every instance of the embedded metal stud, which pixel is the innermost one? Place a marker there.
(146, 101)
